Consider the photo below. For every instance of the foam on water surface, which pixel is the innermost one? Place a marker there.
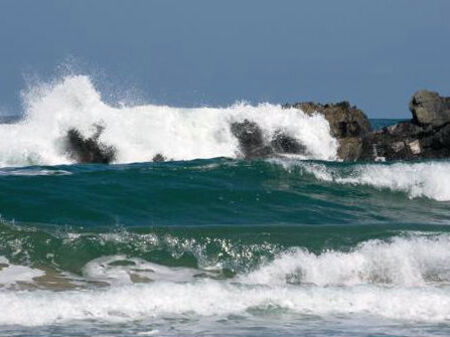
(423, 179)
(11, 275)
(406, 278)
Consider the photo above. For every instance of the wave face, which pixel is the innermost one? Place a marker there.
(221, 246)
(141, 132)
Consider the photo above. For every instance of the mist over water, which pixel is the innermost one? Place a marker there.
(208, 243)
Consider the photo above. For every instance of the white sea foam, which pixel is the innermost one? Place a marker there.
(407, 262)
(430, 179)
(11, 274)
(119, 270)
(209, 297)
(140, 132)
(406, 278)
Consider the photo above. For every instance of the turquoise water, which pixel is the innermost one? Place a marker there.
(208, 243)
(226, 247)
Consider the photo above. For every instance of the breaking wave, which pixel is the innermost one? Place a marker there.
(424, 179)
(402, 278)
(138, 133)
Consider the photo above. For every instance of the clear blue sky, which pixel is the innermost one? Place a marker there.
(373, 53)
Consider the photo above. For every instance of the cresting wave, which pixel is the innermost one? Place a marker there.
(403, 278)
(425, 179)
(138, 133)
(408, 262)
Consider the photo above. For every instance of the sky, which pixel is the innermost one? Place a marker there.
(375, 54)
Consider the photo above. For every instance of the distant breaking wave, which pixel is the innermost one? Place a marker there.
(424, 179)
(138, 133)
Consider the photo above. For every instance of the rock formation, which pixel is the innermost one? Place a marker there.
(253, 145)
(88, 150)
(347, 123)
(251, 140)
(159, 158)
(427, 135)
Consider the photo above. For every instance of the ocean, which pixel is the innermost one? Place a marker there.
(207, 243)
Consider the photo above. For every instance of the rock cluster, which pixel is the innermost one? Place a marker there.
(427, 135)
(253, 145)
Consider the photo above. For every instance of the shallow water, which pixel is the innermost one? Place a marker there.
(226, 247)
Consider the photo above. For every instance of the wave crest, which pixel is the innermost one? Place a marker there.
(139, 133)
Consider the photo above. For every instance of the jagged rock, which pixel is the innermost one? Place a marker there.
(350, 148)
(398, 146)
(347, 123)
(88, 150)
(428, 108)
(282, 143)
(426, 136)
(404, 128)
(253, 145)
(251, 140)
(158, 158)
(345, 120)
(415, 147)
(437, 144)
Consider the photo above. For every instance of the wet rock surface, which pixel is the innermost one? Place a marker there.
(253, 144)
(88, 150)
(426, 136)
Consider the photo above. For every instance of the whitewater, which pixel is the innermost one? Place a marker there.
(140, 132)
(209, 243)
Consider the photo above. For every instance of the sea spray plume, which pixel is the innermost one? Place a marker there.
(139, 132)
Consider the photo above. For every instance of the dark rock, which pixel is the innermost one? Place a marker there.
(347, 123)
(427, 135)
(404, 128)
(398, 142)
(159, 158)
(88, 150)
(428, 108)
(437, 144)
(251, 140)
(282, 143)
(345, 120)
(350, 148)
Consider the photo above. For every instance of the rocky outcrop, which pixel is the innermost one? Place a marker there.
(283, 143)
(252, 143)
(347, 123)
(159, 158)
(88, 150)
(429, 109)
(345, 120)
(251, 140)
(427, 135)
